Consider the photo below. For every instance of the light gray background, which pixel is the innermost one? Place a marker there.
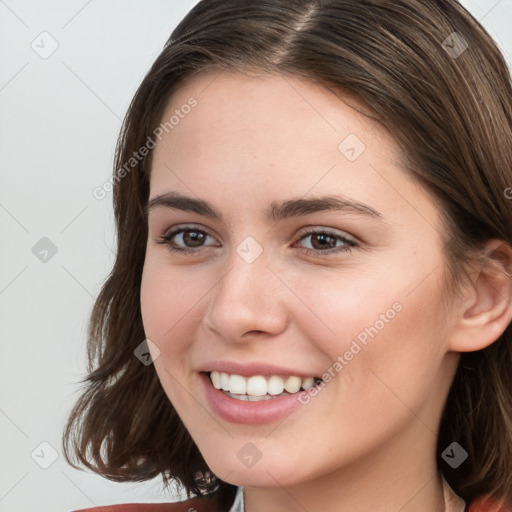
(59, 119)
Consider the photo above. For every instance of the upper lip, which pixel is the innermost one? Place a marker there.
(250, 369)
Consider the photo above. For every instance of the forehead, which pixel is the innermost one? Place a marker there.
(274, 107)
(269, 122)
(254, 139)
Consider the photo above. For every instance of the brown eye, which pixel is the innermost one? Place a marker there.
(323, 241)
(185, 240)
(327, 242)
(193, 238)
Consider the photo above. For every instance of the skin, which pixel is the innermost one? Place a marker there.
(367, 441)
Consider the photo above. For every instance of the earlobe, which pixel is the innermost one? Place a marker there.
(486, 308)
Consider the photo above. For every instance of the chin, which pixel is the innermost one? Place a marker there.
(272, 473)
(262, 478)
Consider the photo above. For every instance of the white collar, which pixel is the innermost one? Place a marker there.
(238, 504)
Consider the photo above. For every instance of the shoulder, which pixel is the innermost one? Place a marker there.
(486, 504)
(192, 505)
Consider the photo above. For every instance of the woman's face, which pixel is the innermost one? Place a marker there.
(307, 252)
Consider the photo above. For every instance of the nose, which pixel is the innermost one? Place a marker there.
(248, 300)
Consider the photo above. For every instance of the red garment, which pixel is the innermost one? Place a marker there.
(205, 505)
(193, 505)
(487, 505)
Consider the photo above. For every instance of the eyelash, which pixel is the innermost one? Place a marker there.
(347, 246)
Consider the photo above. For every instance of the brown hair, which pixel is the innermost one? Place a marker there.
(449, 108)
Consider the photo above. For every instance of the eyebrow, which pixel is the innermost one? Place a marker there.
(276, 211)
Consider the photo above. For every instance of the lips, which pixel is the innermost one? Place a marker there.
(254, 393)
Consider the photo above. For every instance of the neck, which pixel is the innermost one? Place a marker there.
(395, 478)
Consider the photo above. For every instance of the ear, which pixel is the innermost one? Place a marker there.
(486, 303)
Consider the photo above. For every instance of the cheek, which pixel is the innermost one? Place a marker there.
(398, 369)
(169, 303)
(353, 305)
(169, 299)
(380, 331)
(153, 301)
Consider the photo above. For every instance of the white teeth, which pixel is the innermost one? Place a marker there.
(259, 386)
(249, 398)
(238, 385)
(275, 385)
(256, 386)
(292, 384)
(215, 376)
(224, 381)
(308, 383)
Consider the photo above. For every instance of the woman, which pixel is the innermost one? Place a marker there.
(314, 251)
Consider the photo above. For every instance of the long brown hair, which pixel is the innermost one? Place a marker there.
(431, 75)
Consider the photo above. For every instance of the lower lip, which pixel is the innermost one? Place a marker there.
(248, 413)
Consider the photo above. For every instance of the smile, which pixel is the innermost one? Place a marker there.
(258, 387)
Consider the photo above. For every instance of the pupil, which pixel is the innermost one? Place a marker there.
(193, 238)
(324, 237)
